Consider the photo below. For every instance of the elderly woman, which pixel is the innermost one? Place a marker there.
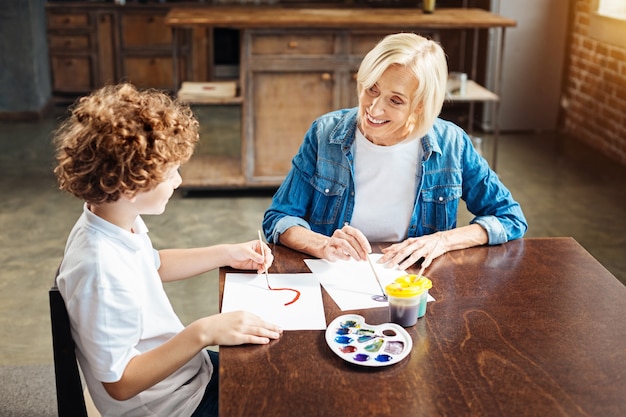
(390, 170)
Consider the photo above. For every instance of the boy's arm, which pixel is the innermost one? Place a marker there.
(151, 367)
(179, 264)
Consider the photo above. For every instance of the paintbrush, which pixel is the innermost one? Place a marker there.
(267, 280)
(382, 297)
(428, 260)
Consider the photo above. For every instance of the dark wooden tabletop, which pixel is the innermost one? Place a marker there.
(534, 327)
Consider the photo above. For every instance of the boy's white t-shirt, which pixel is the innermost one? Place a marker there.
(385, 182)
(118, 309)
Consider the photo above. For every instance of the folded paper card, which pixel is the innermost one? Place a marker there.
(352, 283)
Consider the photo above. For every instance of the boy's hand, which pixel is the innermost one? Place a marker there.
(249, 255)
(240, 327)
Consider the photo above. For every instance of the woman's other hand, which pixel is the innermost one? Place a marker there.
(411, 250)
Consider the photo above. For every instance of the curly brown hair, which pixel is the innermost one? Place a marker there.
(121, 140)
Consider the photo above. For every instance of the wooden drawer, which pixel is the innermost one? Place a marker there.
(141, 30)
(292, 44)
(68, 20)
(71, 74)
(69, 42)
(361, 44)
(277, 139)
(144, 72)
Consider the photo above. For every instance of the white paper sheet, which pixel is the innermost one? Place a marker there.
(352, 283)
(249, 292)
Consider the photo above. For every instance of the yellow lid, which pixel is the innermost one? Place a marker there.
(408, 286)
(423, 281)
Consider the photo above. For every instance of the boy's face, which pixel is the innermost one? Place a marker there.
(155, 200)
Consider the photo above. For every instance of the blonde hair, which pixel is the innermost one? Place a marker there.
(425, 58)
(121, 140)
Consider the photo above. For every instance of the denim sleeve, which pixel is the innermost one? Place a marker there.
(283, 224)
(490, 201)
(493, 227)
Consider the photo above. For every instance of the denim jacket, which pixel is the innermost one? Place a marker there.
(318, 192)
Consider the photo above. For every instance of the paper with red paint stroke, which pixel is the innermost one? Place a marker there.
(249, 292)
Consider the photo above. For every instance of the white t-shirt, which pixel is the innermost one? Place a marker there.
(385, 182)
(118, 309)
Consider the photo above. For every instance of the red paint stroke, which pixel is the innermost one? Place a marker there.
(288, 289)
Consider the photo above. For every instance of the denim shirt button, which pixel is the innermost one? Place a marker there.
(327, 191)
(440, 198)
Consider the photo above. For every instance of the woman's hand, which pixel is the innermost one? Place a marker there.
(249, 255)
(410, 251)
(345, 243)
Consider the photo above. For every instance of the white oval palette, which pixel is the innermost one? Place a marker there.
(357, 342)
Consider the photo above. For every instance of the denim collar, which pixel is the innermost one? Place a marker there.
(430, 144)
(344, 134)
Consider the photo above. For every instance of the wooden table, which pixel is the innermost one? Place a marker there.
(534, 327)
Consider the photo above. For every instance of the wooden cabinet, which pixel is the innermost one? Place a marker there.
(292, 77)
(289, 77)
(299, 63)
(96, 44)
(79, 55)
(146, 49)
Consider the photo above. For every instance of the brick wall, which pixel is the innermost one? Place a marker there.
(595, 87)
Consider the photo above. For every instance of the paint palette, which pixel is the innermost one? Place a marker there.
(357, 342)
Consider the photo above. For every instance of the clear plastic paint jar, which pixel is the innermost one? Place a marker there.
(405, 298)
(426, 284)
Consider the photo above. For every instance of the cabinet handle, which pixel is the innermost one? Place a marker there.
(326, 76)
(292, 44)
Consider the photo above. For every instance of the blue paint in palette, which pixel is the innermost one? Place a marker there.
(350, 323)
(383, 358)
(344, 340)
(363, 339)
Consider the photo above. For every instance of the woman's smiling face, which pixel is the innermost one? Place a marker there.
(385, 114)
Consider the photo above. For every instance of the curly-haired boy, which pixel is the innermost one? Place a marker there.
(120, 150)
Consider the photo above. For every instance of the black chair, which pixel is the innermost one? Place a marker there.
(70, 397)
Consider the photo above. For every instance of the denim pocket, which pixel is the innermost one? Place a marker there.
(326, 201)
(440, 206)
